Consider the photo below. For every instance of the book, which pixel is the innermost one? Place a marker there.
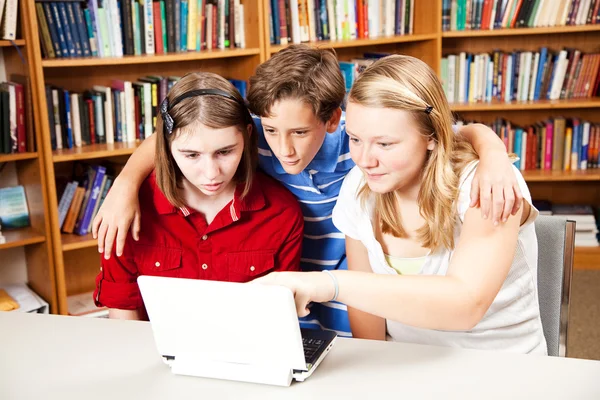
(14, 212)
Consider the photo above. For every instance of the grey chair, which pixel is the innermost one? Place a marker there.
(556, 245)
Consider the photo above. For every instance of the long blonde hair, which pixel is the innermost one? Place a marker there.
(406, 83)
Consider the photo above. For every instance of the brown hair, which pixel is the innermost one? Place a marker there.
(214, 111)
(406, 83)
(298, 72)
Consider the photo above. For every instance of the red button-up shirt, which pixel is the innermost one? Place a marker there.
(248, 238)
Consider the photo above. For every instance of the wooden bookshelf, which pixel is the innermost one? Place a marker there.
(587, 257)
(19, 60)
(8, 43)
(76, 242)
(94, 151)
(76, 258)
(528, 105)
(17, 157)
(589, 175)
(21, 237)
(554, 30)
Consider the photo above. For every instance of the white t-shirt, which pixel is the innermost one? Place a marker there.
(512, 323)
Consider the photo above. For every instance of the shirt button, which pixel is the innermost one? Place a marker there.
(157, 264)
(204, 266)
(252, 268)
(204, 237)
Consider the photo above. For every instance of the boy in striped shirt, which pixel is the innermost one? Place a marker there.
(296, 97)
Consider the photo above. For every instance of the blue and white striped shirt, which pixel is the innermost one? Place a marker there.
(317, 189)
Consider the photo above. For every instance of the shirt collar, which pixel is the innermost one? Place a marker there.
(326, 159)
(254, 200)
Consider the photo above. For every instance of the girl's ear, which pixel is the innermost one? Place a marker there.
(430, 144)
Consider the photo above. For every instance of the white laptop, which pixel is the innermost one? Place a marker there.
(236, 331)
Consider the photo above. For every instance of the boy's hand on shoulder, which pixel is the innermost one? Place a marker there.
(495, 187)
(119, 210)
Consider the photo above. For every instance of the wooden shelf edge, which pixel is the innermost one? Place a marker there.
(17, 157)
(149, 59)
(94, 151)
(71, 241)
(528, 105)
(562, 176)
(8, 43)
(21, 237)
(554, 30)
(338, 44)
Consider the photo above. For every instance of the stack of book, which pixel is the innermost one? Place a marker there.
(16, 122)
(460, 15)
(83, 196)
(297, 21)
(586, 226)
(112, 28)
(520, 75)
(558, 144)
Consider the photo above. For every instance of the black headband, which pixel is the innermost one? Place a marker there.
(166, 106)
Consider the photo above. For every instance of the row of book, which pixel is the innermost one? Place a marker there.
(586, 217)
(555, 144)
(16, 124)
(113, 28)
(123, 112)
(83, 195)
(520, 75)
(460, 15)
(297, 21)
(9, 10)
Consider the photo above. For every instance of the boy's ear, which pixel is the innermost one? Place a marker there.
(334, 121)
(249, 129)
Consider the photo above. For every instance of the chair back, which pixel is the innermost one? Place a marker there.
(556, 245)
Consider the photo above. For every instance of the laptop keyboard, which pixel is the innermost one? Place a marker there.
(311, 349)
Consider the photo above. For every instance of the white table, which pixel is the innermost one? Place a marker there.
(53, 357)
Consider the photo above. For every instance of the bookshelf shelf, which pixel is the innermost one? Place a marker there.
(149, 59)
(94, 151)
(17, 157)
(562, 176)
(339, 44)
(587, 257)
(75, 242)
(8, 43)
(553, 30)
(21, 237)
(528, 105)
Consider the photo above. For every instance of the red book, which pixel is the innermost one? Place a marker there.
(90, 106)
(158, 36)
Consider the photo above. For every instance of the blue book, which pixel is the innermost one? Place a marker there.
(67, 29)
(53, 30)
(68, 118)
(94, 26)
(81, 27)
(96, 187)
(275, 18)
(184, 25)
(540, 73)
(518, 144)
(60, 30)
(65, 202)
(74, 30)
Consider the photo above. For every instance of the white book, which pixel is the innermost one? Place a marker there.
(453, 14)
(351, 20)
(520, 77)
(532, 78)
(585, 142)
(330, 17)
(76, 119)
(389, 17)
(476, 73)
(559, 75)
(584, 8)
(508, 82)
(451, 78)
(221, 24)
(411, 17)
(192, 26)
(565, 12)
(130, 106)
(312, 27)
(490, 80)
(108, 113)
(461, 77)
(372, 10)
(242, 30)
(493, 16)
(538, 14)
(485, 63)
(2, 2)
(147, 109)
(9, 20)
(526, 76)
(295, 21)
(149, 25)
